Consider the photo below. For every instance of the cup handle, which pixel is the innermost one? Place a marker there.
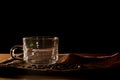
(13, 49)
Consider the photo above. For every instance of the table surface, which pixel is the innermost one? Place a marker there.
(4, 56)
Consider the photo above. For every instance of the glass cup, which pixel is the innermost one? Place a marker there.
(38, 50)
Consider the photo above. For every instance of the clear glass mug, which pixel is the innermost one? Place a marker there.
(38, 49)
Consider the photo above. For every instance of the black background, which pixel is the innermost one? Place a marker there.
(80, 29)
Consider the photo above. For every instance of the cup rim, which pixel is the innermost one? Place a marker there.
(40, 37)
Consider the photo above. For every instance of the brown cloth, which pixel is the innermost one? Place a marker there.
(89, 62)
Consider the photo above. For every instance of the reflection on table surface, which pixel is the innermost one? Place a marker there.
(35, 77)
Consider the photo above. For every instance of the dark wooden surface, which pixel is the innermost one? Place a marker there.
(92, 74)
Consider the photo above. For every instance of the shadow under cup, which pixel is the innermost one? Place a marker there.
(38, 49)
